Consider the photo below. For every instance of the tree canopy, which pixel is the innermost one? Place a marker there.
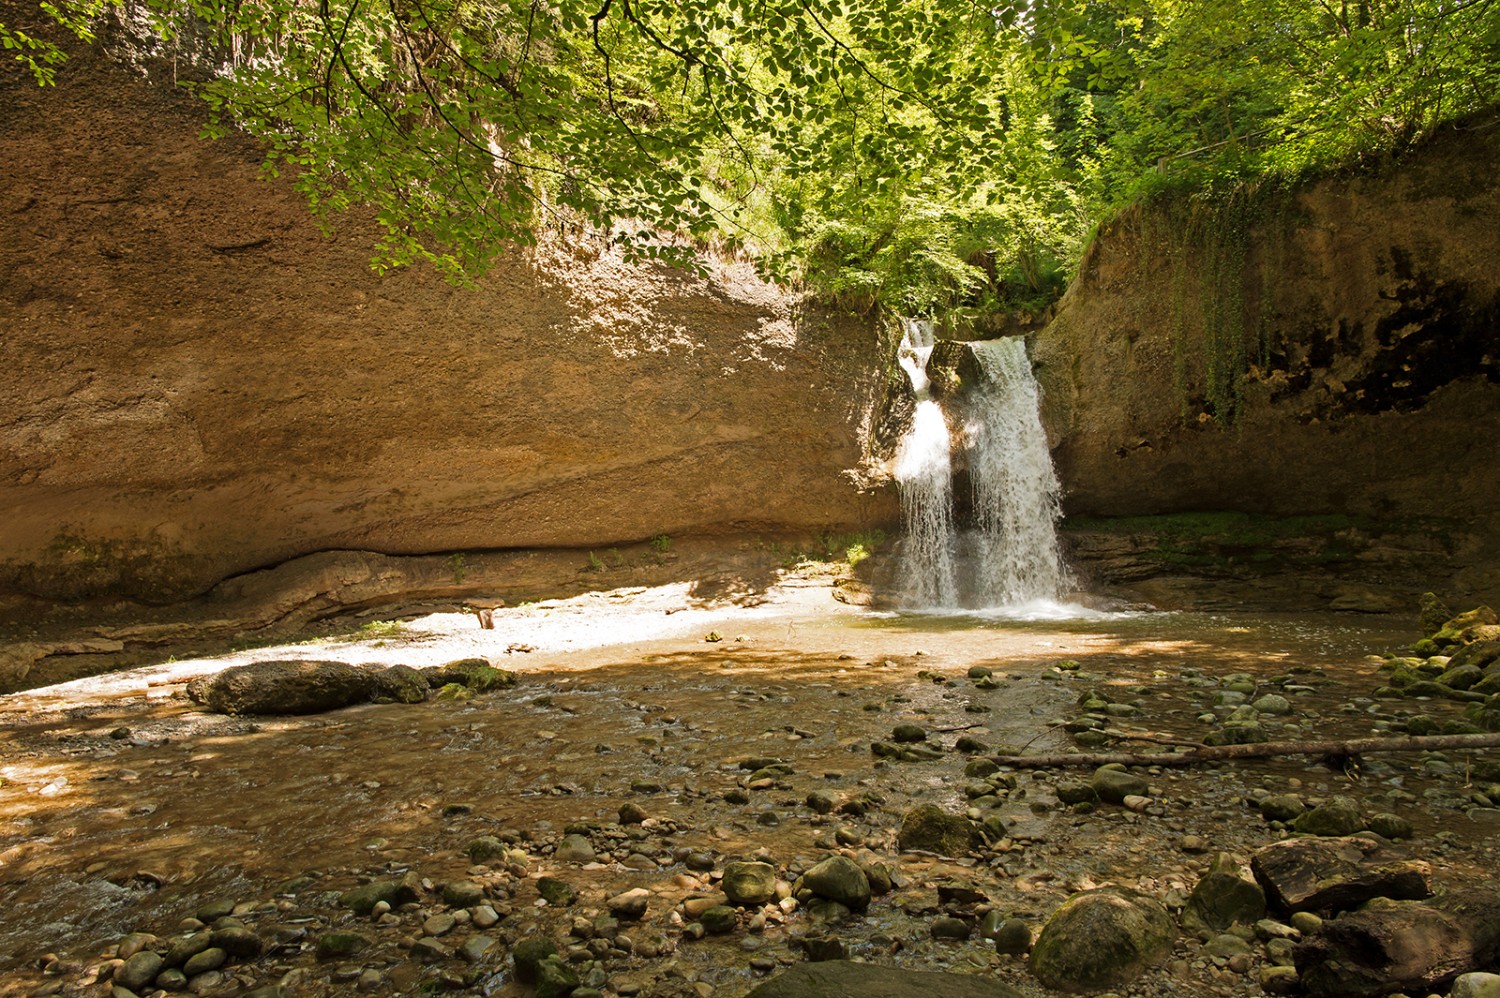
(921, 154)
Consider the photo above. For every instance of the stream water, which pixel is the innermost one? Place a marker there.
(124, 807)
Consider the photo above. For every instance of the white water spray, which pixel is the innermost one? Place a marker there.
(1013, 547)
(1016, 491)
(924, 473)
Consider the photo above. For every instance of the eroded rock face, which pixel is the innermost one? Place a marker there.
(199, 383)
(1371, 403)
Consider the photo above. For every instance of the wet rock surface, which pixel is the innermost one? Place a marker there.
(474, 844)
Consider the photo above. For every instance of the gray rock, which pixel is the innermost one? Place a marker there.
(749, 883)
(461, 893)
(1114, 785)
(1273, 703)
(430, 950)
(476, 947)
(840, 879)
(188, 946)
(1012, 936)
(908, 733)
(1101, 939)
(630, 905)
(439, 925)
(574, 848)
(841, 979)
(1390, 826)
(284, 687)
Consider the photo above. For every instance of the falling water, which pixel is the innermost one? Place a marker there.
(924, 473)
(1016, 492)
(1010, 559)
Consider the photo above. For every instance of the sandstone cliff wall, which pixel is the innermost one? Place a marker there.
(197, 382)
(1377, 397)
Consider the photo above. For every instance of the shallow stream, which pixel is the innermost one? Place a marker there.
(124, 807)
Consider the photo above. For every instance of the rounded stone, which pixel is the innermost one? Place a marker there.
(140, 970)
(201, 963)
(950, 928)
(1114, 785)
(839, 878)
(1101, 939)
(749, 883)
(719, 919)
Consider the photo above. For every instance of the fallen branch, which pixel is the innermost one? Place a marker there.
(1127, 735)
(1253, 750)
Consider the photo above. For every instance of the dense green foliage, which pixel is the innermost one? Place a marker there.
(922, 155)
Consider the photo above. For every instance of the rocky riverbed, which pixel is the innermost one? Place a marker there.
(655, 798)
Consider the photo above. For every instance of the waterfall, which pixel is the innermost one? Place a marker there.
(1012, 553)
(924, 474)
(1015, 489)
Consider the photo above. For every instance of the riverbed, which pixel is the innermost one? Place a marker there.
(126, 808)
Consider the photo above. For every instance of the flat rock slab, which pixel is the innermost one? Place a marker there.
(1336, 874)
(841, 979)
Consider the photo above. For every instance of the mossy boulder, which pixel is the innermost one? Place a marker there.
(476, 674)
(840, 879)
(528, 955)
(1101, 939)
(284, 687)
(1114, 785)
(930, 828)
(1337, 816)
(1223, 898)
(749, 883)
(340, 945)
(395, 893)
(1432, 614)
(401, 684)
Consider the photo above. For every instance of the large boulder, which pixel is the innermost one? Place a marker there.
(1336, 874)
(749, 883)
(286, 687)
(931, 829)
(1101, 939)
(1223, 898)
(839, 878)
(841, 979)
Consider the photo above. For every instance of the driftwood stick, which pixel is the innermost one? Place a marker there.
(1127, 735)
(1253, 750)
